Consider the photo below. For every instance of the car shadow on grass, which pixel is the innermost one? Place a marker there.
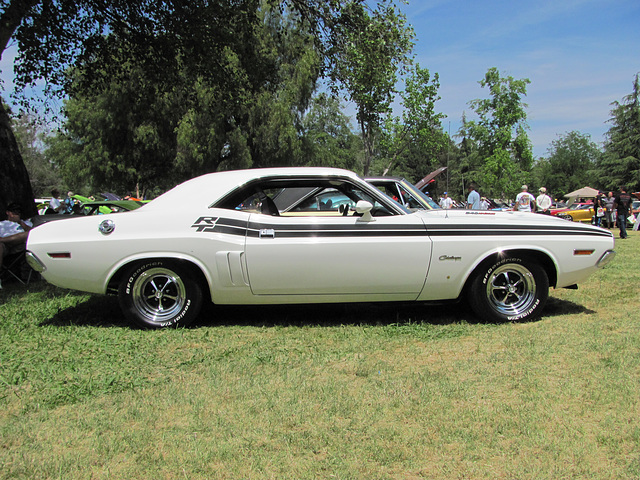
(334, 314)
(556, 307)
(104, 311)
(97, 311)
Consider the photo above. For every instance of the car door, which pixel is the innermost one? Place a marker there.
(337, 255)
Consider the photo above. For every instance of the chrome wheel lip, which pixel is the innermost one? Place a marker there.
(158, 295)
(511, 289)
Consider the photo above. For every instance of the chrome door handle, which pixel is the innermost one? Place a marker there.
(267, 233)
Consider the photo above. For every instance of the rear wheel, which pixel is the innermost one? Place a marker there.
(160, 293)
(510, 289)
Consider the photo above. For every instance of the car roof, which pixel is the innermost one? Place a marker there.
(210, 187)
(385, 178)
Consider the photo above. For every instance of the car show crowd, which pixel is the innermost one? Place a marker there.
(606, 210)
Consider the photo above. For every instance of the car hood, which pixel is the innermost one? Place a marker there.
(493, 217)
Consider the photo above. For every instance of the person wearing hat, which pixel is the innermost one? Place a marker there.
(446, 202)
(543, 202)
(525, 202)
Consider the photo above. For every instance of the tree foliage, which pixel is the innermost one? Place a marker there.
(500, 134)
(412, 142)
(141, 133)
(620, 165)
(368, 53)
(327, 136)
(569, 165)
(55, 35)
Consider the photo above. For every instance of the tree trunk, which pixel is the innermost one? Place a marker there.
(14, 178)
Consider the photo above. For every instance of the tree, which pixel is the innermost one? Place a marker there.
(327, 136)
(368, 52)
(138, 133)
(120, 138)
(620, 166)
(30, 137)
(570, 163)
(54, 35)
(413, 142)
(500, 134)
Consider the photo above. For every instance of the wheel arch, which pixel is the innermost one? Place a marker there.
(195, 269)
(543, 258)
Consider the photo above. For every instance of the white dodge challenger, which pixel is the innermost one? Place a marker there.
(221, 237)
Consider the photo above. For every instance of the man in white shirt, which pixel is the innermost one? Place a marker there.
(446, 202)
(525, 202)
(544, 202)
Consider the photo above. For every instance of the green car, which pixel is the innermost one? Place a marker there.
(102, 207)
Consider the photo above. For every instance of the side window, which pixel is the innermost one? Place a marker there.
(303, 197)
(255, 202)
(327, 202)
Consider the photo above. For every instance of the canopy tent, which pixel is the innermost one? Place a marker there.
(584, 192)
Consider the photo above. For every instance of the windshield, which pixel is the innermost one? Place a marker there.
(419, 195)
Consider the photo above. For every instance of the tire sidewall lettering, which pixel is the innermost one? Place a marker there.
(491, 269)
(141, 269)
(525, 314)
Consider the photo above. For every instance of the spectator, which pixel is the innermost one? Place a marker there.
(54, 204)
(525, 202)
(473, 200)
(13, 232)
(608, 209)
(69, 203)
(622, 205)
(543, 202)
(598, 207)
(446, 202)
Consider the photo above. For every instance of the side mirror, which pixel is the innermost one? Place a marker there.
(364, 208)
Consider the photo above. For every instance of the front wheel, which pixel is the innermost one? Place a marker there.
(510, 289)
(160, 293)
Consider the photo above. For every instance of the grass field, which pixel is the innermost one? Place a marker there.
(330, 392)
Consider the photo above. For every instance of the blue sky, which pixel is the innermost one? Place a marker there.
(580, 56)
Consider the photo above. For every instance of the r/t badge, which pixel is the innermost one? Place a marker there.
(205, 224)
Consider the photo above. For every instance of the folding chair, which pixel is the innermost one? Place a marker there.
(15, 266)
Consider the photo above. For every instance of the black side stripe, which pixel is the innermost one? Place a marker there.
(252, 229)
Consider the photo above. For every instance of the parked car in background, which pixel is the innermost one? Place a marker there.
(104, 207)
(81, 209)
(231, 244)
(403, 192)
(578, 212)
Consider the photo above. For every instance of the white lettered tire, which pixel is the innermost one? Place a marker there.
(160, 293)
(509, 289)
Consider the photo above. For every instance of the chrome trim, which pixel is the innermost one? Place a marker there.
(34, 262)
(107, 227)
(606, 258)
